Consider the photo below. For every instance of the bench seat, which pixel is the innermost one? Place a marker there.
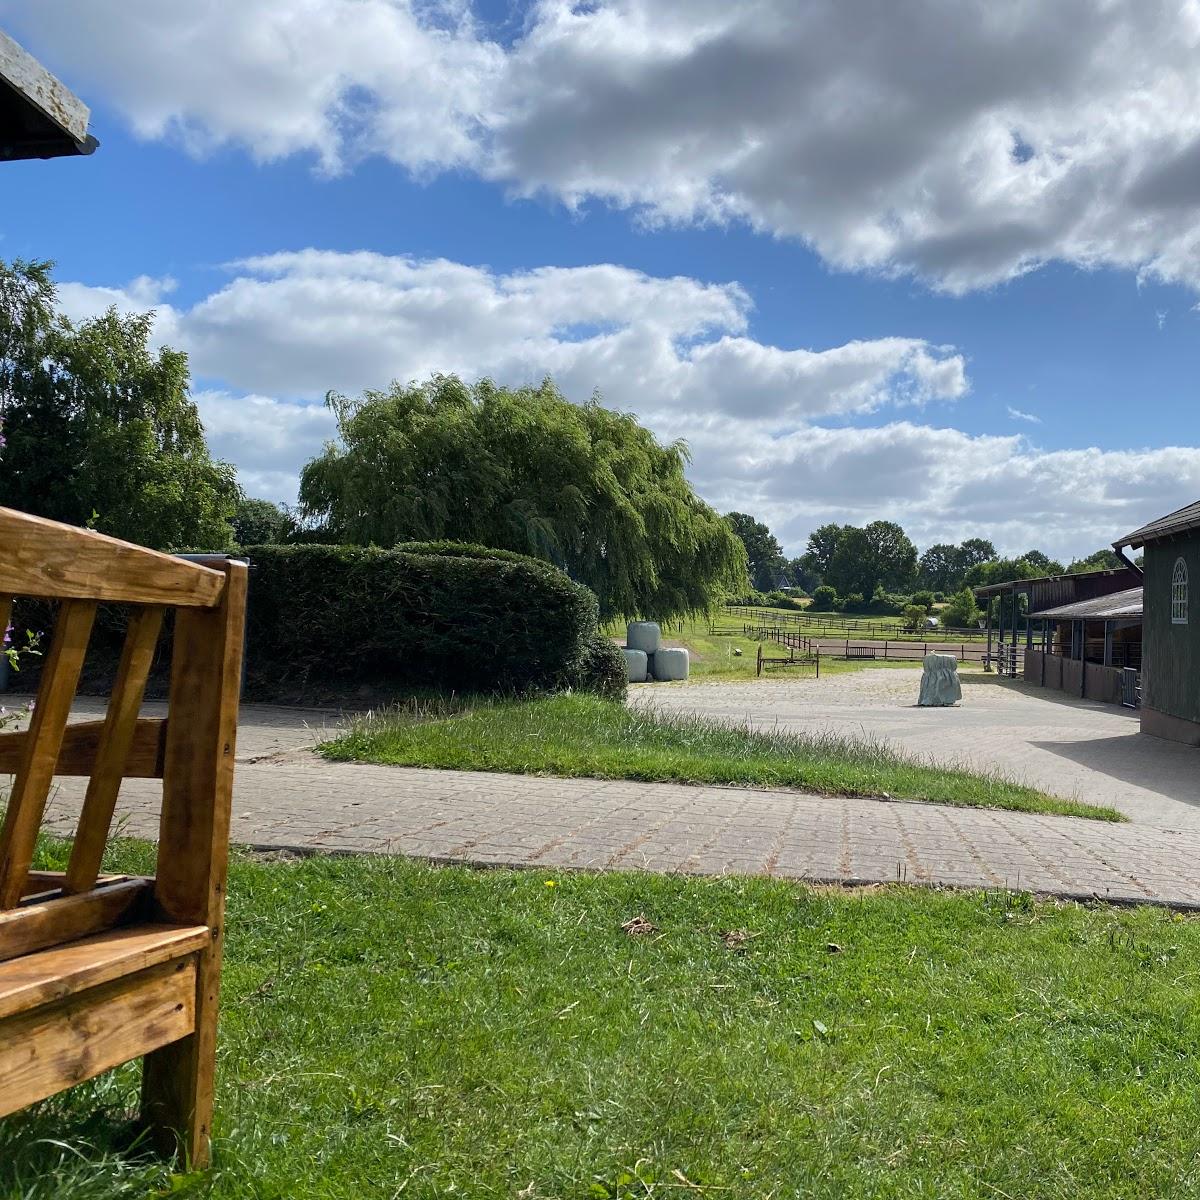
(71, 1012)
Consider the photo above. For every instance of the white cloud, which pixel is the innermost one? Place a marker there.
(964, 142)
(787, 434)
(1016, 414)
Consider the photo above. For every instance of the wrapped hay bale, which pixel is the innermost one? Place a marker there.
(637, 662)
(939, 682)
(671, 664)
(643, 635)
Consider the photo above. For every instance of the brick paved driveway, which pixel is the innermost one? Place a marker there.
(286, 796)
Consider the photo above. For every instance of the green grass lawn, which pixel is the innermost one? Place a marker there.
(577, 735)
(392, 1030)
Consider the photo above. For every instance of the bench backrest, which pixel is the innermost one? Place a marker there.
(192, 750)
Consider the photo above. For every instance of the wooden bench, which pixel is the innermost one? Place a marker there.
(860, 651)
(98, 970)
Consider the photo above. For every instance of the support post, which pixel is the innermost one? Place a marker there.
(987, 662)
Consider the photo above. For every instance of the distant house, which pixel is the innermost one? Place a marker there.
(1171, 624)
(39, 116)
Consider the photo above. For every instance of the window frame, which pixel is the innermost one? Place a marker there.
(1179, 592)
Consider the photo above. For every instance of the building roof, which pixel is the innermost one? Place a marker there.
(1182, 520)
(39, 116)
(995, 589)
(1115, 607)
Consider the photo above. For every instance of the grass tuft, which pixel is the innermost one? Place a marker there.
(585, 736)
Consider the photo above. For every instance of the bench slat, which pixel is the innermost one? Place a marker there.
(35, 772)
(81, 742)
(51, 922)
(46, 559)
(44, 1051)
(120, 724)
(52, 975)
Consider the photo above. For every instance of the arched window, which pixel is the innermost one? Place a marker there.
(1179, 597)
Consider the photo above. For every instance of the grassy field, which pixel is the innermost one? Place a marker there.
(397, 1031)
(713, 655)
(586, 736)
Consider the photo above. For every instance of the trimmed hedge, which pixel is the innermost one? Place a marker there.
(436, 615)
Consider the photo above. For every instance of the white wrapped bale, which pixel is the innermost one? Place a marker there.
(636, 661)
(670, 664)
(939, 682)
(643, 635)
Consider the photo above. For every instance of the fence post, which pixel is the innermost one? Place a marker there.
(758, 665)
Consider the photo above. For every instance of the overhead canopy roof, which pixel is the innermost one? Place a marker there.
(1118, 606)
(1028, 585)
(39, 116)
(1183, 520)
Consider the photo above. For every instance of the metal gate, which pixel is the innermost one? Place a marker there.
(1131, 687)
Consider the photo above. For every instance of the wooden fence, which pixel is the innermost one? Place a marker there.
(832, 624)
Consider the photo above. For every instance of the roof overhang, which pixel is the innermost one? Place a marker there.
(1183, 521)
(1119, 606)
(39, 116)
(1025, 585)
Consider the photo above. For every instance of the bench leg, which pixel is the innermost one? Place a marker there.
(177, 1081)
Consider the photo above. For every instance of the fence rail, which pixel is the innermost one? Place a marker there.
(858, 649)
(825, 623)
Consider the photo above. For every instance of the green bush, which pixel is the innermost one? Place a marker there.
(825, 598)
(914, 617)
(600, 669)
(961, 612)
(924, 599)
(939, 597)
(462, 550)
(852, 603)
(326, 616)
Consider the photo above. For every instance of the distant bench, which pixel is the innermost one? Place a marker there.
(860, 651)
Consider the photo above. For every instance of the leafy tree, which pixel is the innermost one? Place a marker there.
(1101, 560)
(881, 555)
(924, 599)
(914, 617)
(973, 552)
(961, 611)
(939, 567)
(584, 487)
(1043, 564)
(262, 523)
(1000, 570)
(763, 553)
(98, 428)
(822, 545)
(802, 574)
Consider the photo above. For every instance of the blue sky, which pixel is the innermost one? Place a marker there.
(1004, 342)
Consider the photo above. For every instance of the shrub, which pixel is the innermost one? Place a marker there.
(939, 597)
(961, 612)
(472, 621)
(924, 599)
(825, 598)
(599, 669)
(461, 550)
(914, 617)
(853, 602)
(885, 604)
(750, 599)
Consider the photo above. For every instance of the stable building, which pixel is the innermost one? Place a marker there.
(1073, 632)
(1171, 624)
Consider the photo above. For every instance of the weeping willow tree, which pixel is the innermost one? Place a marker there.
(581, 486)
